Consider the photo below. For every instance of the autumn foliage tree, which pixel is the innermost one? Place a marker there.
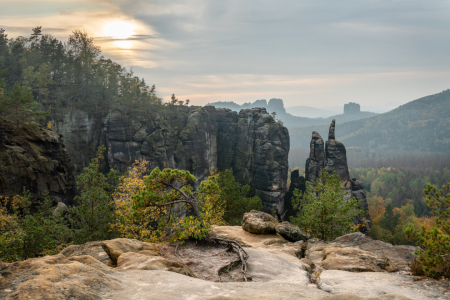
(166, 191)
(435, 260)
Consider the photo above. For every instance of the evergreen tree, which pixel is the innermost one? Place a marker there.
(19, 106)
(235, 196)
(323, 210)
(94, 212)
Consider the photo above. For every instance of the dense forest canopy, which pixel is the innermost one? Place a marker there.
(73, 72)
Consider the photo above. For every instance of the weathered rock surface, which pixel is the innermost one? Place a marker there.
(259, 222)
(276, 271)
(244, 237)
(316, 161)
(297, 182)
(56, 277)
(93, 249)
(37, 160)
(192, 138)
(372, 284)
(290, 232)
(355, 260)
(334, 159)
(115, 248)
(332, 256)
(401, 255)
(137, 261)
(336, 156)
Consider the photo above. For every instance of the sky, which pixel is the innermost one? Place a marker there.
(320, 53)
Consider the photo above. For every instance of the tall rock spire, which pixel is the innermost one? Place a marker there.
(315, 162)
(336, 155)
(335, 160)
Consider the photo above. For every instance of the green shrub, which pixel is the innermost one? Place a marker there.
(436, 242)
(323, 210)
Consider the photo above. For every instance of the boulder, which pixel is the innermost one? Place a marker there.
(60, 209)
(259, 222)
(93, 249)
(355, 260)
(138, 261)
(290, 232)
(401, 255)
(332, 256)
(245, 238)
(115, 248)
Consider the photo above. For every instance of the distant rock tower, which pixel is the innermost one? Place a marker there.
(276, 105)
(351, 108)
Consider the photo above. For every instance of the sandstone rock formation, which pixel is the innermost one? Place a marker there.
(137, 261)
(37, 160)
(331, 256)
(115, 248)
(276, 270)
(315, 163)
(401, 255)
(93, 249)
(192, 138)
(259, 222)
(334, 159)
(56, 277)
(297, 182)
(290, 232)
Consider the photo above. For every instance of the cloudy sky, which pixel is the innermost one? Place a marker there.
(321, 53)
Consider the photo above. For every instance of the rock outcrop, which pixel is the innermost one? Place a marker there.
(315, 163)
(115, 248)
(275, 267)
(37, 160)
(192, 138)
(297, 182)
(259, 222)
(334, 159)
(290, 232)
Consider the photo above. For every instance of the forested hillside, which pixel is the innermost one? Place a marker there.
(421, 125)
(72, 73)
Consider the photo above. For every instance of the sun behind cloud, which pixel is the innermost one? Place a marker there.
(119, 30)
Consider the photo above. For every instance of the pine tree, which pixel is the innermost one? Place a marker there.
(19, 106)
(323, 210)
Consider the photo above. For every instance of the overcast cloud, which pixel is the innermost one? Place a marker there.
(318, 53)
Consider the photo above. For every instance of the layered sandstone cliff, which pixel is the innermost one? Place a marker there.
(37, 161)
(192, 138)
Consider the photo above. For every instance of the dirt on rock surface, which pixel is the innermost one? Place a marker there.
(208, 260)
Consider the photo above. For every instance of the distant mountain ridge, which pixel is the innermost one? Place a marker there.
(289, 120)
(421, 125)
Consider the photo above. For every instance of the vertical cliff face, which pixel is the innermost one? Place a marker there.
(37, 160)
(192, 138)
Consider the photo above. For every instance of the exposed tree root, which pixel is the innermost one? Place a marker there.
(243, 256)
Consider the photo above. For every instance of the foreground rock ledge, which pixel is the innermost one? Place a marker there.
(277, 272)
